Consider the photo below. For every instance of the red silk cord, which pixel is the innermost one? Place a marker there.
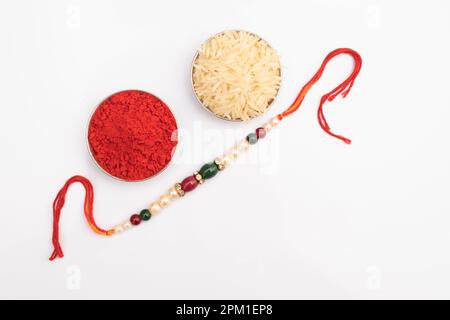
(343, 88)
(88, 212)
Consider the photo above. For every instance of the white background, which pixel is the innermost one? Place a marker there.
(302, 216)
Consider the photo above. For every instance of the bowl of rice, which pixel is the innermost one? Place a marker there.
(236, 75)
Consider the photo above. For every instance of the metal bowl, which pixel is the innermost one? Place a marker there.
(92, 154)
(192, 76)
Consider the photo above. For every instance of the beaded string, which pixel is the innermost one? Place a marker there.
(208, 170)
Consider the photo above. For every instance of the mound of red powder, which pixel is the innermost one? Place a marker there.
(132, 135)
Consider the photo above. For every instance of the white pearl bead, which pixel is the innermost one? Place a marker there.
(118, 229)
(226, 160)
(235, 152)
(274, 122)
(173, 193)
(244, 145)
(127, 225)
(155, 208)
(164, 201)
(267, 127)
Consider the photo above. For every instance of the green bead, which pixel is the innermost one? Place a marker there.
(208, 170)
(145, 215)
(252, 138)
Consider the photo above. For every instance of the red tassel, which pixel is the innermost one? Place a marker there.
(88, 212)
(344, 88)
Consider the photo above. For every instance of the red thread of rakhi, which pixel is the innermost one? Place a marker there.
(344, 88)
(88, 212)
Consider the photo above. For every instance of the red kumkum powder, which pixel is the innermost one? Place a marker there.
(132, 135)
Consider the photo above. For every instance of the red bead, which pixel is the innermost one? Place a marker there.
(260, 133)
(135, 219)
(189, 184)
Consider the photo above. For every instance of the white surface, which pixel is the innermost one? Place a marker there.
(303, 216)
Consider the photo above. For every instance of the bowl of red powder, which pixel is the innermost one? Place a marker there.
(132, 135)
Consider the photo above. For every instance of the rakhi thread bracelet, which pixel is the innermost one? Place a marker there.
(208, 170)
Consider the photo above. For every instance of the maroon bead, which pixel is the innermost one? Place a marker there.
(260, 133)
(189, 184)
(135, 219)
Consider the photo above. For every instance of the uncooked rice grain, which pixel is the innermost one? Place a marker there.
(236, 75)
